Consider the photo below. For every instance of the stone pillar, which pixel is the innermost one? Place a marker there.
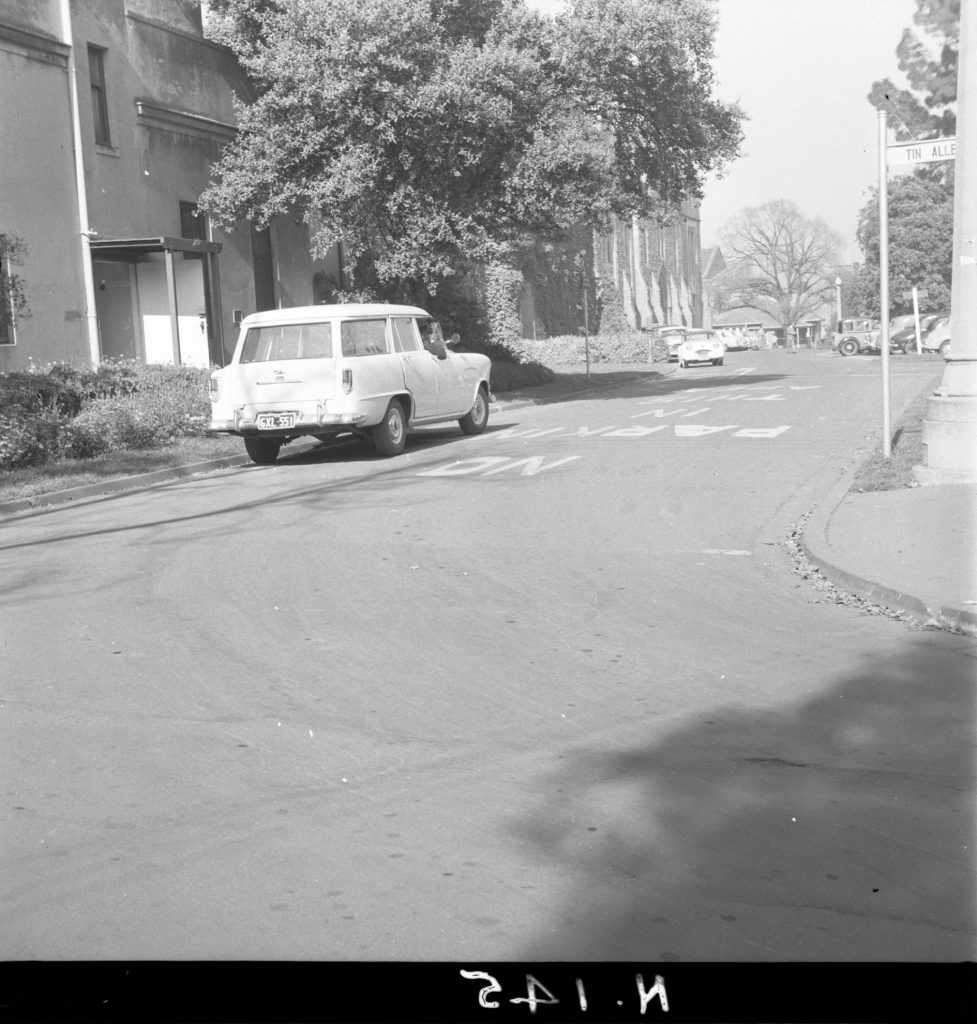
(950, 427)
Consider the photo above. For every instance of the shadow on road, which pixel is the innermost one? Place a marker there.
(841, 830)
(572, 386)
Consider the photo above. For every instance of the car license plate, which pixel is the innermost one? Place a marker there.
(275, 420)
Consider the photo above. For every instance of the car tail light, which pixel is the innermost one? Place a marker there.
(214, 388)
(347, 381)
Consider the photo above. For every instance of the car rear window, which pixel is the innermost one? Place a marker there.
(364, 337)
(287, 341)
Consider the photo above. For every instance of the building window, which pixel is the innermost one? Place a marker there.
(8, 331)
(12, 298)
(100, 107)
(193, 224)
(261, 262)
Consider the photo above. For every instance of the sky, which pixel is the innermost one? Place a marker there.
(801, 70)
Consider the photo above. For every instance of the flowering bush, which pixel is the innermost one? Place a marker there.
(29, 439)
(71, 413)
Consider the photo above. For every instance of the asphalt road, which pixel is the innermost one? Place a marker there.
(548, 693)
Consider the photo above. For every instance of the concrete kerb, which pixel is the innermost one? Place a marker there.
(141, 481)
(814, 542)
(135, 482)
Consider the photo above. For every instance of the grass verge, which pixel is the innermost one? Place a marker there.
(63, 474)
(877, 473)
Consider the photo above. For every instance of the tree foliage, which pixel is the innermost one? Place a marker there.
(920, 221)
(424, 133)
(925, 109)
(920, 246)
(779, 261)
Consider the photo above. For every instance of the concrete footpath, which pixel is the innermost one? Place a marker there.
(912, 549)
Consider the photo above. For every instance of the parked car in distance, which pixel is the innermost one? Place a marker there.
(741, 336)
(937, 338)
(370, 370)
(904, 339)
(900, 323)
(855, 335)
(672, 335)
(700, 346)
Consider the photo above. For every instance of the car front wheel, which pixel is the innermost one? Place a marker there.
(390, 434)
(945, 348)
(848, 347)
(477, 418)
(262, 449)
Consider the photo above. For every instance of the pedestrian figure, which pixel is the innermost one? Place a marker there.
(792, 338)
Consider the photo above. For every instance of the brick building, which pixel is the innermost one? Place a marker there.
(638, 274)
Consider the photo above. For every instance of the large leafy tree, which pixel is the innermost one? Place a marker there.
(920, 246)
(779, 261)
(920, 222)
(925, 109)
(423, 133)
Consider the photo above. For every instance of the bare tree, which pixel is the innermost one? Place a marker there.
(780, 261)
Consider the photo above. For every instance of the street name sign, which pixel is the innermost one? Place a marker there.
(921, 152)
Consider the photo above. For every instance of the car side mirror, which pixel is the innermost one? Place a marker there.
(453, 340)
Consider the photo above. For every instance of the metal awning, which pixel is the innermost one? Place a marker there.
(131, 249)
(106, 248)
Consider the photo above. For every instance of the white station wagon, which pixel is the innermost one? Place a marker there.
(368, 370)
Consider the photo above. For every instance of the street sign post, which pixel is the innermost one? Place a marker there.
(916, 294)
(904, 154)
(926, 152)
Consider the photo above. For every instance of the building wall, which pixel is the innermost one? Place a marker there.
(169, 94)
(37, 191)
(637, 274)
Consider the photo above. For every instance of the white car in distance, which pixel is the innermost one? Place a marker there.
(701, 346)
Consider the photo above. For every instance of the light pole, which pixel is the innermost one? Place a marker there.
(838, 299)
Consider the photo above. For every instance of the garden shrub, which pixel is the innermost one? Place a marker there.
(29, 439)
(620, 347)
(72, 413)
(503, 286)
(25, 394)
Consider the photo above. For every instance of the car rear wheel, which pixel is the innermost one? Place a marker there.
(262, 449)
(390, 434)
(682, 363)
(848, 346)
(477, 418)
(717, 362)
(945, 348)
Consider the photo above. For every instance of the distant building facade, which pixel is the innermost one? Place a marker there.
(637, 275)
(120, 265)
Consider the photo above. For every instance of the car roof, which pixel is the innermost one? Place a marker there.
(307, 314)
